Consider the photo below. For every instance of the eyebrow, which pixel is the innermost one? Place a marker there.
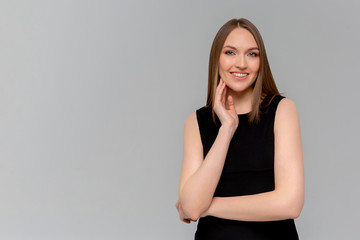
(253, 48)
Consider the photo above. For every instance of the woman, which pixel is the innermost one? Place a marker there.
(242, 174)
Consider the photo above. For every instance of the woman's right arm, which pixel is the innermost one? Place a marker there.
(199, 177)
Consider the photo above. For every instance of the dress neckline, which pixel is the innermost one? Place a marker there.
(243, 114)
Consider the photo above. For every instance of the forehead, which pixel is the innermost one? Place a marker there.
(240, 38)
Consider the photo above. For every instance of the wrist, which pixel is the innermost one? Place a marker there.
(227, 131)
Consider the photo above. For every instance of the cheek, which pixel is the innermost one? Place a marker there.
(224, 63)
(255, 65)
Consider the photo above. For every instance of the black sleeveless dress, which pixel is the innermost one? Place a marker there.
(248, 169)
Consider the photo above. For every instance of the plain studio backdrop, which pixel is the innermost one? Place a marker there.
(94, 96)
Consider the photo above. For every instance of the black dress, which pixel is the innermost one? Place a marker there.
(248, 169)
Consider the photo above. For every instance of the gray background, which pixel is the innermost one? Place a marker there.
(94, 96)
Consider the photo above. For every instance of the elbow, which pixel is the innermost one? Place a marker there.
(289, 205)
(191, 212)
(294, 212)
(294, 207)
(193, 208)
(194, 216)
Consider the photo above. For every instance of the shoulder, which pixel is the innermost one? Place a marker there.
(199, 115)
(286, 113)
(191, 119)
(286, 106)
(198, 119)
(192, 137)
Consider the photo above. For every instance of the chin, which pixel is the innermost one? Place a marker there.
(240, 87)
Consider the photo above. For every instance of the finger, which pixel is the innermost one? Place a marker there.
(231, 103)
(223, 94)
(182, 218)
(186, 221)
(221, 83)
(218, 92)
(218, 86)
(217, 89)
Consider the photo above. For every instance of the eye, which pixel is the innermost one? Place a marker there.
(229, 52)
(253, 54)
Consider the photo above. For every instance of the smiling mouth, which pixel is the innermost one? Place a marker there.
(240, 74)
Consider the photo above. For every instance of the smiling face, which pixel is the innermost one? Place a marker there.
(239, 61)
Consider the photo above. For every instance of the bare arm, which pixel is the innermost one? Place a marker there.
(287, 200)
(199, 176)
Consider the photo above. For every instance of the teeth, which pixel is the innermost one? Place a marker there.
(239, 74)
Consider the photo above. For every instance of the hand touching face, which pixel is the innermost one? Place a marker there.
(228, 117)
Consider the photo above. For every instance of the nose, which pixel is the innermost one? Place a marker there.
(241, 62)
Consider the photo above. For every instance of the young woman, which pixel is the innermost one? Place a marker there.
(242, 174)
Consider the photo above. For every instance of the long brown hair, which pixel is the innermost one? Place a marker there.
(264, 87)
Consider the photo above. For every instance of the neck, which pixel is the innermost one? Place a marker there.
(242, 100)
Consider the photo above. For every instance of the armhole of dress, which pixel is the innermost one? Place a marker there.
(198, 120)
(275, 107)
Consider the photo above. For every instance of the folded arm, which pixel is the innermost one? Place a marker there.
(199, 176)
